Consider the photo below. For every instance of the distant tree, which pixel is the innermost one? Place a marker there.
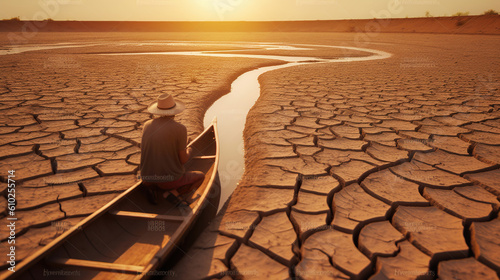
(428, 14)
(460, 14)
(490, 12)
(14, 19)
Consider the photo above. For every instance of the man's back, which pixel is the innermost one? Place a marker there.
(162, 139)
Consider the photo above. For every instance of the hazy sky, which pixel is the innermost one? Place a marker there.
(174, 10)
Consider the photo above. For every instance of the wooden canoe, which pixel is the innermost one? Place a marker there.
(128, 238)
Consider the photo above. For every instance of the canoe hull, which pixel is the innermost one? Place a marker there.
(128, 238)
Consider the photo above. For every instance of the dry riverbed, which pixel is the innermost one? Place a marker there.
(352, 169)
(71, 120)
(383, 168)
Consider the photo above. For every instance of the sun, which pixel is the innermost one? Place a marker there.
(222, 9)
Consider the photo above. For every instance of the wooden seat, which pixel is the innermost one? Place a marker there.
(104, 266)
(204, 157)
(151, 216)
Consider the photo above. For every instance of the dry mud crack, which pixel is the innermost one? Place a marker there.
(374, 169)
(383, 172)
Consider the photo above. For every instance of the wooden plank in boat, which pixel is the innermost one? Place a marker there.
(105, 275)
(96, 265)
(149, 216)
(143, 250)
(204, 157)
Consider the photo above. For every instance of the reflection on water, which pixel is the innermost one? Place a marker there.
(27, 48)
(216, 54)
(231, 112)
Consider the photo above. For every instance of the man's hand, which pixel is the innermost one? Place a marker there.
(185, 155)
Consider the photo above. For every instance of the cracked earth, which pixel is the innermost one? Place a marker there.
(383, 169)
(377, 170)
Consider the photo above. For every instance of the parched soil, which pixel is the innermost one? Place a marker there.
(385, 168)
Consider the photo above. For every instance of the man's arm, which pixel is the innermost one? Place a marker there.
(185, 154)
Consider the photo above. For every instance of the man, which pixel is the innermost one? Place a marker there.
(164, 152)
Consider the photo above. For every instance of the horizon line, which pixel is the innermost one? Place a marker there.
(16, 19)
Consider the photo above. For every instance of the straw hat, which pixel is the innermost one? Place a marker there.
(166, 106)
